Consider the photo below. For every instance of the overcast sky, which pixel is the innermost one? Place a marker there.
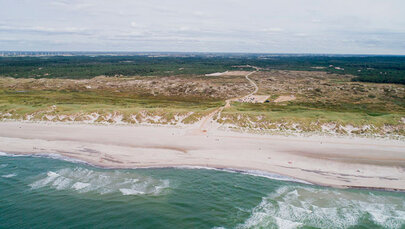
(271, 26)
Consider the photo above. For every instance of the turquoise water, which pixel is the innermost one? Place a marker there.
(40, 192)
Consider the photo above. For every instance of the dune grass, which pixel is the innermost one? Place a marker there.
(38, 103)
(311, 117)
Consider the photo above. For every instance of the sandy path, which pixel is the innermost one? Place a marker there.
(208, 122)
(339, 162)
(253, 83)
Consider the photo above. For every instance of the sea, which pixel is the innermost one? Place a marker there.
(54, 192)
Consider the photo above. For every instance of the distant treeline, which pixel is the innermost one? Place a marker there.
(380, 69)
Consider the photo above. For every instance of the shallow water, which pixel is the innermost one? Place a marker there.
(40, 192)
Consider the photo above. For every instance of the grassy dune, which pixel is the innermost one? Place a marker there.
(294, 116)
(76, 106)
(328, 103)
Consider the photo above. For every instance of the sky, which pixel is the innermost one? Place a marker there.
(252, 26)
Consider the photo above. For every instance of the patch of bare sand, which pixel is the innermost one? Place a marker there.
(254, 99)
(236, 73)
(229, 73)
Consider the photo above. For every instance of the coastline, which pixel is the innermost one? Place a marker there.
(258, 173)
(322, 160)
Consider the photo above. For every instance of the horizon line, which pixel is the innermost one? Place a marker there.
(201, 52)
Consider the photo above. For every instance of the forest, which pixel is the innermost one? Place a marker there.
(378, 69)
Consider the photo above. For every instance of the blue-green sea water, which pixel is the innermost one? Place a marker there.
(37, 192)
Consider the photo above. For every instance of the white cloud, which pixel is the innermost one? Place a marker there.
(300, 34)
(45, 30)
(274, 29)
(134, 24)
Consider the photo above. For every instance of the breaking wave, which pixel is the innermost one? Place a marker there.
(9, 175)
(2, 154)
(84, 180)
(257, 173)
(293, 207)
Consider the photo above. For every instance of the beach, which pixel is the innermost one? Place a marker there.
(323, 160)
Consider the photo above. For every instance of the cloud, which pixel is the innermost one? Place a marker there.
(134, 24)
(274, 29)
(199, 13)
(333, 26)
(300, 34)
(72, 5)
(45, 30)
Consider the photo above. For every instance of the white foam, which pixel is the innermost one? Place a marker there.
(292, 206)
(84, 180)
(59, 157)
(257, 173)
(197, 167)
(61, 183)
(50, 155)
(286, 224)
(272, 176)
(2, 154)
(127, 191)
(43, 182)
(80, 185)
(52, 174)
(9, 175)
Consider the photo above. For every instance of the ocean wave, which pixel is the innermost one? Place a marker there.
(59, 157)
(258, 173)
(3, 154)
(84, 180)
(272, 176)
(9, 175)
(294, 206)
(48, 155)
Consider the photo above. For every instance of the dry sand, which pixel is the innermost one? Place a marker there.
(251, 97)
(229, 73)
(284, 98)
(332, 161)
(254, 99)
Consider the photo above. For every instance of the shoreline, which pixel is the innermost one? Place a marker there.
(258, 173)
(325, 161)
(269, 175)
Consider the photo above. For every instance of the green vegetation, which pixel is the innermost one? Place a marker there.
(45, 98)
(380, 69)
(81, 67)
(76, 106)
(365, 118)
(325, 98)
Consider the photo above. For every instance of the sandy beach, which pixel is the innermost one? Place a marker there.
(330, 161)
